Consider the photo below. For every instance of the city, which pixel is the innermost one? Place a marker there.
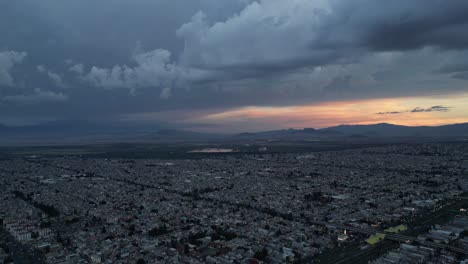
(241, 208)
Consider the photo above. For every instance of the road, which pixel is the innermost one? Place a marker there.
(360, 255)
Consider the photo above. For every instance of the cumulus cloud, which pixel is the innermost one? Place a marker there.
(276, 35)
(152, 69)
(41, 68)
(8, 59)
(270, 33)
(38, 96)
(270, 39)
(226, 53)
(77, 68)
(165, 93)
(54, 77)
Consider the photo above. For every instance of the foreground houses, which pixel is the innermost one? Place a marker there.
(452, 233)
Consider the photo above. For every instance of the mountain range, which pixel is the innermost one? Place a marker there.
(373, 130)
(85, 129)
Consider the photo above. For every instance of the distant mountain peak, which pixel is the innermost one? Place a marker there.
(363, 131)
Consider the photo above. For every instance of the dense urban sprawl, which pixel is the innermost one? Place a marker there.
(273, 208)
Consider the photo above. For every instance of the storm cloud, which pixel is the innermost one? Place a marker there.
(108, 59)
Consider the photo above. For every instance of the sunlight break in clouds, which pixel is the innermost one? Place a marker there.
(345, 112)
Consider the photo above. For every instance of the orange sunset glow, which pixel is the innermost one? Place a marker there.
(346, 112)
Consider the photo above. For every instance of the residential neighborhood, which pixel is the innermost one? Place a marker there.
(241, 208)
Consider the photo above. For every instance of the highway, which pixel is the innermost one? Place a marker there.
(362, 254)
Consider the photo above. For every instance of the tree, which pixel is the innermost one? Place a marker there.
(261, 255)
(8, 260)
(158, 231)
(464, 233)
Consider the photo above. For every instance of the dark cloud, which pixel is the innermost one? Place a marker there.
(321, 32)
(451, 68)
(461, 75)
(436, 108)
(339, 84)
(389, 113)
(111, 58)
(416, 24)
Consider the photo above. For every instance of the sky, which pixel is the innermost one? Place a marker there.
(234, 65)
